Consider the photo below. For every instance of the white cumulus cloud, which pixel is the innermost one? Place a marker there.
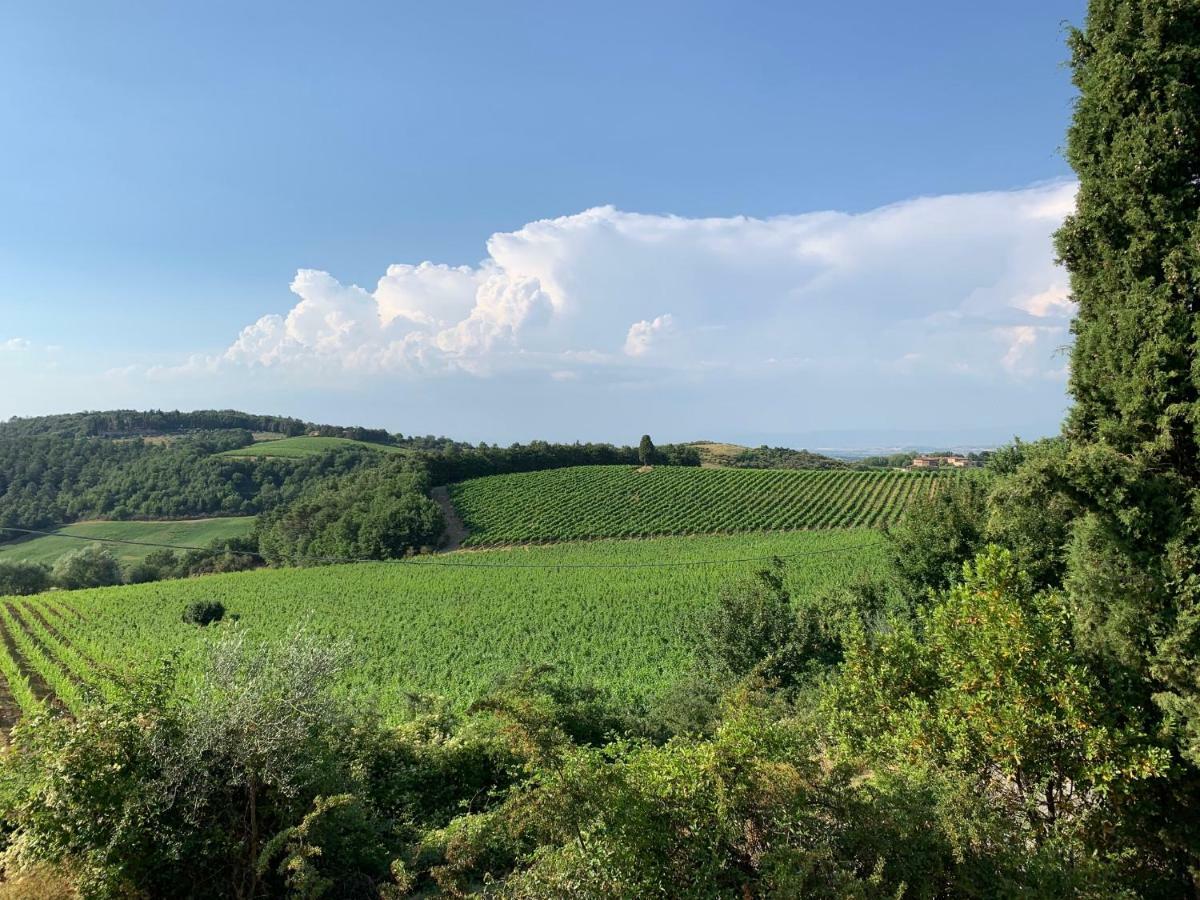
(961, 284)
(642, 335)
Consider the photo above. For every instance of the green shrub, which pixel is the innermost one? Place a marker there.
(20, 577)
(91, 566)
(204, 612)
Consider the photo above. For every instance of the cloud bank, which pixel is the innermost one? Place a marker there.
(953, 286)
(935, 320)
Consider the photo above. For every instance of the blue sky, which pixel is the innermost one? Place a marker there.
(628, 210)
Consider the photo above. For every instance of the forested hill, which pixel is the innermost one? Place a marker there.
(48, 479)
(124, 464)
(134, 423)
(784, 458)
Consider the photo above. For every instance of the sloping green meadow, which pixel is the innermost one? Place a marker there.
(181, 533)
(301, 447)
(626, 626)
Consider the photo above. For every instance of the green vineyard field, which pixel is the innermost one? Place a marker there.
(623, 501)
(626, 626)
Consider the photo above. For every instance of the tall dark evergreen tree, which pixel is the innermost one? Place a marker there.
(1133, 251)
(646, 450)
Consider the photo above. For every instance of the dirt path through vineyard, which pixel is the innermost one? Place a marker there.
(456, 531)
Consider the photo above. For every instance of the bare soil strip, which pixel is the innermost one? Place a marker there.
(456, 531)
(9, 711)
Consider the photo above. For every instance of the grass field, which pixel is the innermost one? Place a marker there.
(623, 501)
(190, 533)
(300, 447)
(428, 628)
(714, 454)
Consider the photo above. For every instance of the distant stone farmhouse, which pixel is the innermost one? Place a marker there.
(949, 460)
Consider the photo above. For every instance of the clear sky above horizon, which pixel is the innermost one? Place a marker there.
(738, 221)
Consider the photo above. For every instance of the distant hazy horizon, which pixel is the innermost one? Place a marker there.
(835, 442)
(541, 221)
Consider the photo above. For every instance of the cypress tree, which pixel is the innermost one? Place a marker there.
(646, 450)
(1132, 248)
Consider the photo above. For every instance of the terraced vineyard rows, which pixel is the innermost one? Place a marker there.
(622, 501)
(626, 627)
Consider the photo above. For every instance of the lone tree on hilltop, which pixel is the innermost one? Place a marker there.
(646, 450)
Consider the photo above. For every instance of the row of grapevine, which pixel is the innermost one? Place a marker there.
(608, 613)
(40, 668)
(623, 501)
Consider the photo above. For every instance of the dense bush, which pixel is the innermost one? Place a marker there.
(204, 612)
(753, 621)
(90, 566)
(19, 577)
(223, 796)
(1029, 513)
(938, 533)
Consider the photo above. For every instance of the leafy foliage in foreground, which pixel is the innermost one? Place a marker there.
(987, 681)
(910, 780)
(621, 501)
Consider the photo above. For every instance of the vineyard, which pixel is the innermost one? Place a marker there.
(608, 613)
(623, 501)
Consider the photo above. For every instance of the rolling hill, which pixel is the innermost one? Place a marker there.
(302, 447)
(624, 501)
(184, 533)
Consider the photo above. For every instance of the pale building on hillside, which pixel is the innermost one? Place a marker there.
(940, 461)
